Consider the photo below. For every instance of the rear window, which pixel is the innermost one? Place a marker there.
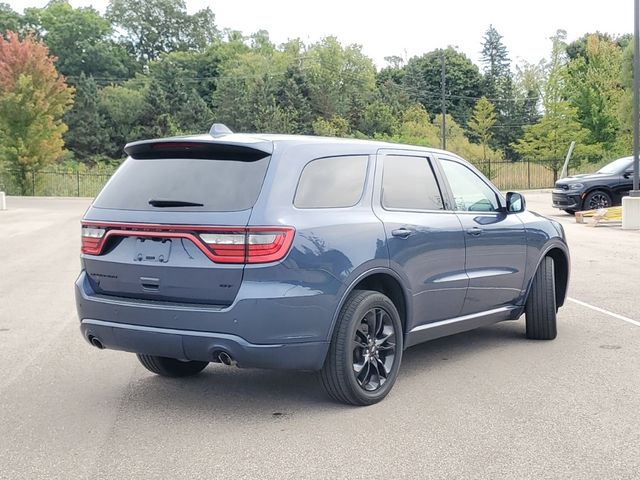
(219, 185)
(408, 183)
(332, 182)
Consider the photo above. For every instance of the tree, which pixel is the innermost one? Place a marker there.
(9, 19)
(495, 61)
(341, 80)
(548, 141)
(336, 126)
(87, 135)
(498, 86)
(483, 120)
(377, 119)
(172, 105)
(422, 81)
(594, 88)
(80, 38)
(121, 107)
(152, 27)
(33, 98)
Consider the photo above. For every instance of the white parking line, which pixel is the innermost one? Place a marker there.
(606, 312)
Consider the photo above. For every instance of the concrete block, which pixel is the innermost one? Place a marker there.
(631, 213)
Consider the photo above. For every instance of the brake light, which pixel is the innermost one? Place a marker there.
(219, 244)
(92, 239)
(254, 245)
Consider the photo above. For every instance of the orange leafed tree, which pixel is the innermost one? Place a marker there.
(33, 98)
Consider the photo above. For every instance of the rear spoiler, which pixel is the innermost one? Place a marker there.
(245, 148)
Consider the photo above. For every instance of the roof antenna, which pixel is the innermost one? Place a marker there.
(219, 130)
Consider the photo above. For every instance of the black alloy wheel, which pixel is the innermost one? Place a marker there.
(374, 349)
(597, 199)
(364, 357)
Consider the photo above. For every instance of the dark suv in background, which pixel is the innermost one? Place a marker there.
(309, 253)
(590, 191)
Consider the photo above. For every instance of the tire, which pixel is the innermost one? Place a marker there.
(541, 309)
(360, 370)
(170, 367)
(597, 199)
(571, 212)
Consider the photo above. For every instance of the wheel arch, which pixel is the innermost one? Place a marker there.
(602, 188)
(561, 271)
(381, 280)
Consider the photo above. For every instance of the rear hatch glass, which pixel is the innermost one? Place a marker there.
(210, 185)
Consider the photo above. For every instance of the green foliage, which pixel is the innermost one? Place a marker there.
(121, 108)
(171, 104)
(9, 20)
(483, 120)
(377, 119)
(340, 80)
(148, 68)
(336, 126)
(87, 136)
(152, 27)
(33, 98)
(594, 89)
(80, 39)
(422, 81)
(548, 140)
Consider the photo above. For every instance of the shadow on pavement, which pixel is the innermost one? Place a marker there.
(270, 395)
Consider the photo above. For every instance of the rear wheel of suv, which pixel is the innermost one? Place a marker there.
(366, 348)
(540, 309)
(170, 367)
(597, 199)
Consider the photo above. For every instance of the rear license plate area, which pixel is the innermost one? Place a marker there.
(152, 250)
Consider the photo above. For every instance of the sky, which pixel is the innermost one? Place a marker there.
(408, 28)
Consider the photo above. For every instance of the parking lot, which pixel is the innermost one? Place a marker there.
(484, 404)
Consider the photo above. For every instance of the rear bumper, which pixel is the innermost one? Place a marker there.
(287, 327)
(566, 201)
(204, 346)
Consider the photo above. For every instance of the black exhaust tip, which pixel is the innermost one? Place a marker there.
(95, 341)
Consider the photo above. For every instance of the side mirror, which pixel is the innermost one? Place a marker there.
(628, 174)
(515, 202)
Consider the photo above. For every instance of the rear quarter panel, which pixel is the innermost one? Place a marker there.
(332, 246)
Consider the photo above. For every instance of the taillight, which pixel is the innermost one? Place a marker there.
(254, 245)
(220, 244)
(92, 239)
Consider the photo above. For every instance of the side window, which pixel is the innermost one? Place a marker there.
(332, 182)
(470, 192)
(408, 183)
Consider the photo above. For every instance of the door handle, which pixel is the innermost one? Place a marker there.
(402, 232)
(475, 231)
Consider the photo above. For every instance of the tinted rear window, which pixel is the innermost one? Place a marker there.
(408, 183)
(333, 182)
(219, 185)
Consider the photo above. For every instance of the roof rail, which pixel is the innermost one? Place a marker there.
(219, 130)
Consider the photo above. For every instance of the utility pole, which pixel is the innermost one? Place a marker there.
(443, 102)
(631, 204)
(636, 99)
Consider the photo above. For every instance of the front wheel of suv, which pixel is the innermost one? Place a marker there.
(170, 367)
(366, 348)
(597, 199)
(540, 309)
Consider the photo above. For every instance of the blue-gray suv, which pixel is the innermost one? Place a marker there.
(310, 253)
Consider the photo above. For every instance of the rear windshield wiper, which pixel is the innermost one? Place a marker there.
(173, 203)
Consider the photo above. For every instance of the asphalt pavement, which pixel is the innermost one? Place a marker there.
(483, 404)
